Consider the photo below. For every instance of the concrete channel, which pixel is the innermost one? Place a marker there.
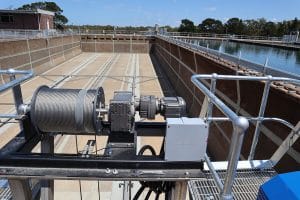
(113, 72)
(160, 68)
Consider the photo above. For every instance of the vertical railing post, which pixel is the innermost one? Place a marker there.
(20, 189)
(212, 90)
(207, 47)
(240, 125)
(265, 66)
(18, 99)
(260, 114)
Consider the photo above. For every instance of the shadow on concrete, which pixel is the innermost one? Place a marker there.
(166, 86)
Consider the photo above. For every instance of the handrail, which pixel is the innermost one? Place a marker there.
(247, 78)
(261, 119)
(240, 124)
(27, 74)
(225, 36)
(215, 100)
(262, 68)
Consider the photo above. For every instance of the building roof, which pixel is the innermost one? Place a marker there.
(38, 11)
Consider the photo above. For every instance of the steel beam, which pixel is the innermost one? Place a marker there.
(108, 174)
(179, 192)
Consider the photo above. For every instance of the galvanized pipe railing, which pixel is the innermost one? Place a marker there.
(251, 65)
(225, 36)
(27, 74)
(216, 177)
(268, 80)
(256, 119)
(15, 85)
(240, 124)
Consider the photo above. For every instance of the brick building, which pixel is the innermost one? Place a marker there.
(26, 19)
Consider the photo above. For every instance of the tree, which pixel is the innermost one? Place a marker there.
(59, 19)
(210, 25)
(170, 29)
(283, 28)
(187, 26)
(295, 25)
(251, 27)
(234, 26)
(269, 29)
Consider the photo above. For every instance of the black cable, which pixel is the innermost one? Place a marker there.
(157, 187)
(147, 147)
(143, 183)
(157, 196)
(139, 192)
(162, 149)
(148, 194)
(167, 195)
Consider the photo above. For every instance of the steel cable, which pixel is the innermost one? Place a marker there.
(64, 110)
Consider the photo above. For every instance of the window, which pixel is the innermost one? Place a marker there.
(6, 18)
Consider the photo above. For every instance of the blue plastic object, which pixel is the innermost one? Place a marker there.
(3, 183)
(283, 186)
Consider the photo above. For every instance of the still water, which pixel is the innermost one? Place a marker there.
(286, 60)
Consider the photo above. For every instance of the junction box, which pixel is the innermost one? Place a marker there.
(186, 139)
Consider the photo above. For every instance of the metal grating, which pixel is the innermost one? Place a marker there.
(246, 185)
(5, 193)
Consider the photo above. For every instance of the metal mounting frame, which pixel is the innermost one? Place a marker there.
(17, 163)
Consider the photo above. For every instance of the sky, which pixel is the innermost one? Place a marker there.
(167, 12)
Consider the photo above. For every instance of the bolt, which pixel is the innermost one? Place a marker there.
(107, 171)
(186, 173)
(115, 171)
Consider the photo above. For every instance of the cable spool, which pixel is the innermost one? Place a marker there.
(67, 110)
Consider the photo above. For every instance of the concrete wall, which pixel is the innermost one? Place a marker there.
(38, 54)
(118, 44)
(180, 64)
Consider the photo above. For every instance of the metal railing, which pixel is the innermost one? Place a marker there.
(15, 85)
(27, 74)
(223, 36)
(20, 34)
(116, 32)
(240, 62)
(240, 124)
(292, 38)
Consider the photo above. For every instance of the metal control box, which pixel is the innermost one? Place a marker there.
(186, 139)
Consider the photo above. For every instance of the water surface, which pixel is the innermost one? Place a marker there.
(278, 58)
